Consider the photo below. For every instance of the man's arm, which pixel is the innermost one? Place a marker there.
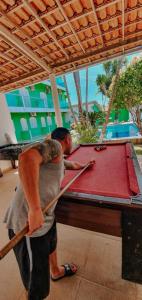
(75, 165)
(29, 163)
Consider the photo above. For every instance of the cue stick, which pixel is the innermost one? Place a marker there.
(17, 238)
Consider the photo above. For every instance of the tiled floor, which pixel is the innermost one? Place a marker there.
(97, 255)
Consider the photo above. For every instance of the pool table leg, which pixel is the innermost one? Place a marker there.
(1, 174)
(13, 163)
(132, 246)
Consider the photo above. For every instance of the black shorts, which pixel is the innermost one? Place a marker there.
(32, 255)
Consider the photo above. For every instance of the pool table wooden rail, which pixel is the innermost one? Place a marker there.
(92, 212)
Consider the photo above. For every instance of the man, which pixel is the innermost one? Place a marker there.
(41, 170)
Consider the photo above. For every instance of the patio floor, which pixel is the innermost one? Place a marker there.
(97, 255)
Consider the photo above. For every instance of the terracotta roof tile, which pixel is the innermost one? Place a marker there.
(43, 36)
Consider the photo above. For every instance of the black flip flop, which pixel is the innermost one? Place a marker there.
(68, 272)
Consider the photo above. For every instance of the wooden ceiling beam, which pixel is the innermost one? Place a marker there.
(14, 8)
(127, 36)
(6, 87)
(98, 25)
(88, 39)
(60, 24)
(10, 72)
(100, 60)
(69, 24)
(19, 28)
(89, 26)
(101, 51)
(26, 76)
(51, 11)
(123, 20)
(119, 14)
(108, 31)
(23, 48)
(43, 24)
(27, 45)
(92, 26)
(20, 4)
(70, 46)
(81, 30)
(86, 65)
(76, 17)
(5, 56)
(103, 6)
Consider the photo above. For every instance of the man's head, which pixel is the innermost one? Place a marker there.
(63, 136)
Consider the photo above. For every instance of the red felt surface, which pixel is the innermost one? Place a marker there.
(108, 177)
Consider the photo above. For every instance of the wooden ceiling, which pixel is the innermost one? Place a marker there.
(39, 37)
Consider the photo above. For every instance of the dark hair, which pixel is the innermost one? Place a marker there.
(59, 133)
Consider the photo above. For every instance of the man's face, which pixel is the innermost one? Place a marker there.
(68, 144)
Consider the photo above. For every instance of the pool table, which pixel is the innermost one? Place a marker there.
(11, 152)
(107, 198)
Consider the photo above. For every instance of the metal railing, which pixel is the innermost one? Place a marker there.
(33, 102)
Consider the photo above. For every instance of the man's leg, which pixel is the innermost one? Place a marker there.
(58, 271)
(22, 257)
(39, 285)
(32, 255)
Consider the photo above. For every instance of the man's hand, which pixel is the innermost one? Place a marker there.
(75, 165)
(92, 162)
(78, 165)
(35, 219)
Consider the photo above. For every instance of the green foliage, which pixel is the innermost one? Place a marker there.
(87, 130)
(110, 67)
(138, 149)
(129, 87)
(95, 118)
(129, 91)
(84, 134)
(104, 81)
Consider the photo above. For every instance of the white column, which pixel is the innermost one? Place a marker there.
(56, 100)
(6, 124)
(6, 127)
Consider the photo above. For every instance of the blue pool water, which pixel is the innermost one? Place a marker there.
(115, 131)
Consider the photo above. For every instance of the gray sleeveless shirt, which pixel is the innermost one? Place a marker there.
(50, 177)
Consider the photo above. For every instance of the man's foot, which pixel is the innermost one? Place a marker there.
(63, 271)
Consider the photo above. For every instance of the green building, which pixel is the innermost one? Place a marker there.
(32, 111)
(121, 115)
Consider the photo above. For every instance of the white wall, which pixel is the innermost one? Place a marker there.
(6, 126)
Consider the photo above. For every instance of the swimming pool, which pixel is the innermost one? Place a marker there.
(123, 130)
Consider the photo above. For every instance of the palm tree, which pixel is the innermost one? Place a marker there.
(101, 81)
(107, 84)
(69, 100)
(104, 80)
(78, 91)
(87, 94)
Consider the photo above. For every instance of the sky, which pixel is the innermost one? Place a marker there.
(93, 72)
